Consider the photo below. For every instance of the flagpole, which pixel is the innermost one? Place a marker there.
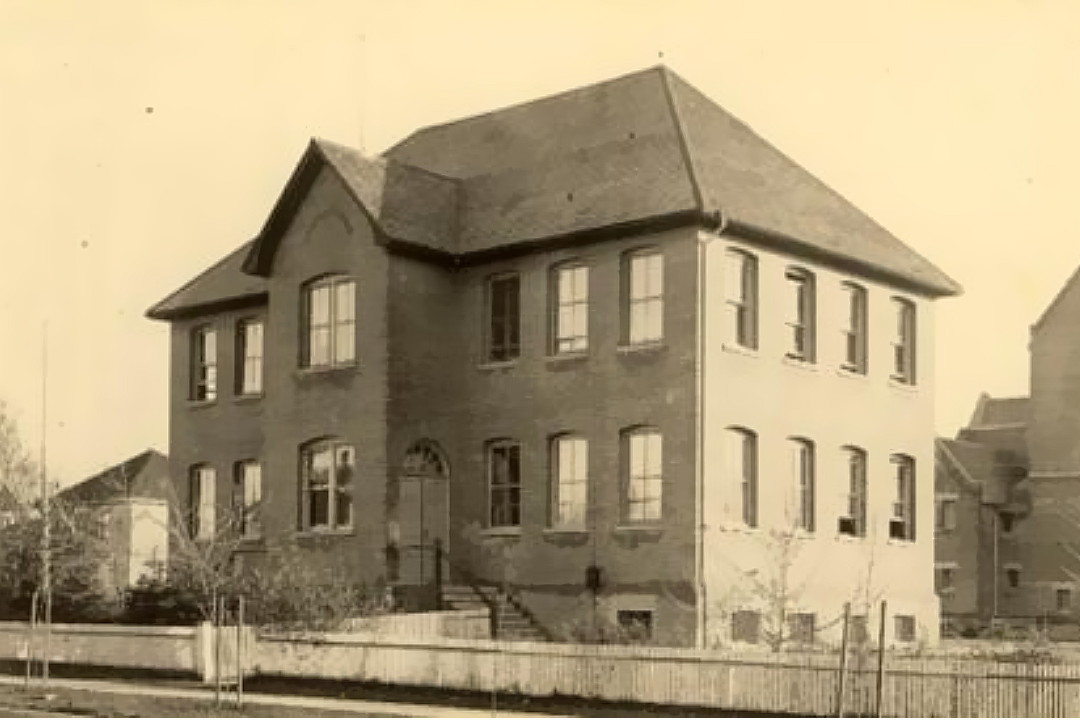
(46, 544)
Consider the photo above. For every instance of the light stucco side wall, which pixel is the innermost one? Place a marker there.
(778, 399)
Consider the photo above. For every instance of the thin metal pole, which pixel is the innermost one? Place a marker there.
(881, 660)
(240, 651)
(31, 641)
(843, 661)
(217, 650)
(46, 541)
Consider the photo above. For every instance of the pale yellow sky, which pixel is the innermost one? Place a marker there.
(140, 141)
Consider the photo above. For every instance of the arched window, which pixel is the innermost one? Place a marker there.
(327, 470)
(801, 321)
(741, 460)
(644, 463)
(903, 342)
(504, 483)
(202, 495)
(801, 457)
(328, 335)
(856, 332)
(902, 523)
(569, 283)
(741, 295)
(569, 481)
(643, 293)
(853, 518)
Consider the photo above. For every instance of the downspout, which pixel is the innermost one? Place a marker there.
(717, 228)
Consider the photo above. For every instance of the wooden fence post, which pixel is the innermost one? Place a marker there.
(881, 661)
(843, 661)
(240, 651)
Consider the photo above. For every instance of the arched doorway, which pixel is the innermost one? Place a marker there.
(422, 512)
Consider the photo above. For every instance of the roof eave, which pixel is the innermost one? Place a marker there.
(181, 312)
(946, 288)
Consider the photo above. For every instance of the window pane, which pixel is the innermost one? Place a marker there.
(345, 301)
(319, 311)
(319, 352)
(344, 342)
(638, 279)
(319, 508)
(209, 338)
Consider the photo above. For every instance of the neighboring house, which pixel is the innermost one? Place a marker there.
(129, 513)
(608, 339)
(979, 501)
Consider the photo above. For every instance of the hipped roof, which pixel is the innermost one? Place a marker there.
(629, 150)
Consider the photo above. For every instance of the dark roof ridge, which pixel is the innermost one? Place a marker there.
(680, 131)
(659, 68)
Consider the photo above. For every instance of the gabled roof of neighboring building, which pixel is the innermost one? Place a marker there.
(143, 476)
(616, 154)
(997, 412)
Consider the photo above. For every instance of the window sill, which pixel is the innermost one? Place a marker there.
(852, 373)
(501, 532)
(901, 542)
(800, 363)
(315, 533)
(323, 370)
(491, 365)
(565, 531)
(849, 538)
(903, 385)
(740, 350)
(641, 348)
(252, 543)
(641, 530)
(567, 358)
(199, 404)
(248, 399)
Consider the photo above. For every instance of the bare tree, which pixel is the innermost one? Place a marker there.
(18, 471)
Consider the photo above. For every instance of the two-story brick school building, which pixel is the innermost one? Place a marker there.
(609, 334)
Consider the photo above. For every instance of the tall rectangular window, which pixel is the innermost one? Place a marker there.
(328, 468)
(802, 627)
(329, 322)
(204, 363)
(203, 506)
(645, 476)
(902, 524)
(904, 628)
(504, 484)
(853, 521)
(249, 357)
(903, 342)
(855, 329)
(740, 290)
(645, 297)
(800, 321)
(570, 466)
(741, 461)
(945, 513)
(1063, 599)
(570, 309)
(945, 578)
(504, 318)
(248, 489)
(801, 453)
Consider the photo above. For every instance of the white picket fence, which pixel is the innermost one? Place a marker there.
(799, 684)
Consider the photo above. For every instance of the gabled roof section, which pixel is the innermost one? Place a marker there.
(1058, 300)
(403, 203)
(145, 476)
(223, 282)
